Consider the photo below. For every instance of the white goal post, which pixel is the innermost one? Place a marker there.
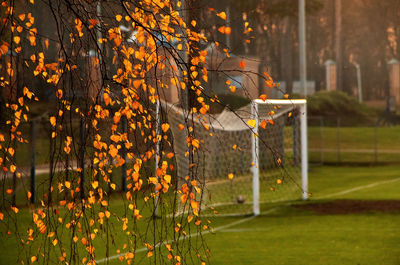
(302, 103)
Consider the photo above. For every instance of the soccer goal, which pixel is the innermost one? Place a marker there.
(250, 156)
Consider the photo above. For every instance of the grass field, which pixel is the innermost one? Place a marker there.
(292, 235)
(299, 233)
(355, 144)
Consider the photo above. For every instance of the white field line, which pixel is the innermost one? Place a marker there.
(182, 238)
(359, 188)
(239, 230)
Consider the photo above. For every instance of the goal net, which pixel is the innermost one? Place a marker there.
(247, 157)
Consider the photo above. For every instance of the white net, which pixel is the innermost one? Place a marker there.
(224, 160)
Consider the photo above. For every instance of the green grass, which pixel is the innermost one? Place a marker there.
(284, 234)
(356, 144)
(294, 236)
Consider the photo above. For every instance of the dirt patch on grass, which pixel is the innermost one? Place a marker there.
(352, 206)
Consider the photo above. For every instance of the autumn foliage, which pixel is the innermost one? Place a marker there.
(106, 84)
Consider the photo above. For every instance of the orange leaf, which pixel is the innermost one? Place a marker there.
(222, 29)
(263, 124)
(93, 22)
(113, 151)
(263, 97)
(118, 18)
(137, 83)
(165, 127)
(4, 48)
(59, 93)
(242, 64)
(106, 99)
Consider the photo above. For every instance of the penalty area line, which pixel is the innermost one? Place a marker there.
(358, 188)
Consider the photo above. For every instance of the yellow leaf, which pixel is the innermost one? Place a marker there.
(222, 15)
(168, 246)
(108, 213)
(67, 184)
(95, 184)
(190, 218)
(230, 176)
(55, 241)
(153, 180)
(53, 121)
(33, 259)
(196, 143)
(118, 18)
(17, 39)
(251, 123)
(11, 151)
(167, 178)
